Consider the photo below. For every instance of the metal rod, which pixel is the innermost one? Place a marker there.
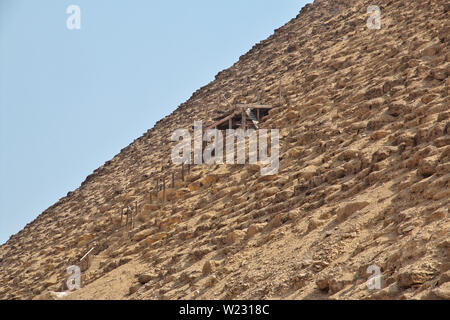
(203, 141)
(280, 93)
(87, 254)
(164, 189)
(136, 213)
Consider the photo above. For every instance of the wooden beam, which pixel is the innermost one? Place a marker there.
(255, 106)
(240, 106)
(222, 121)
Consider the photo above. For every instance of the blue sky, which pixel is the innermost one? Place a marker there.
(71, 99)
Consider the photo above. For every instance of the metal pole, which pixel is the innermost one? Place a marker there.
(164, 189)
(136, 213)
(280, 93)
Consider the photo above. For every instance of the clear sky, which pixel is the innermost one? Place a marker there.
(71, 99)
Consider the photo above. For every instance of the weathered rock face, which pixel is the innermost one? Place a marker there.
(363, 180)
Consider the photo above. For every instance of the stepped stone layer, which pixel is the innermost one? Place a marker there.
(363, 179)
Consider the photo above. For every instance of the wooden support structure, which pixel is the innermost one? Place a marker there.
(173, 180)
(223, 120)
(254, 106)
(182, 172)
(239, 113)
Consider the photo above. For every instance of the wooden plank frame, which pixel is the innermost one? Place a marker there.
(240, 113)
